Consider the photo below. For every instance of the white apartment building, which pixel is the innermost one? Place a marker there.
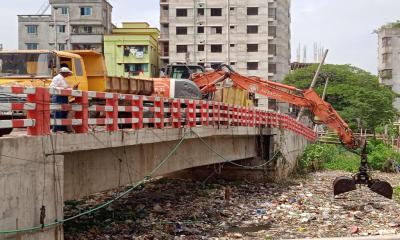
(252, 36)
(72, 24)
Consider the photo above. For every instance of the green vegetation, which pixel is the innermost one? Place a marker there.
(395, 24)
(336, 157)
(353, 92)
(381, 156)
(396, 193)
(327, 156)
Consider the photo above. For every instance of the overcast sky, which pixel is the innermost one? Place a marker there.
(344, 26)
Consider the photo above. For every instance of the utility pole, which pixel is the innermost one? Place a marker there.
(325, 88)
(68, 30)
(314, 81)
(55, 30)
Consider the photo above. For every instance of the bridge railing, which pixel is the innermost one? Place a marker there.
(113, 111)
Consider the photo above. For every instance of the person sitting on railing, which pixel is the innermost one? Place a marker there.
(60, 82)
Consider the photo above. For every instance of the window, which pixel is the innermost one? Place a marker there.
(64, 10)
(200, 48)
(252, 29)
(215, 65)
(181, 30)
(232, 45)
(138, 51)
(181, 48)
(387, 74)
(86, 46)
(61, 46)
(200, 11)
(272, 49)
(251, 11)
(200, 29)
(165, 7)
(216, 30)
(386, 58)
(32, 29)
(252, 66)
(232, 63)
(136, 69)
(61, 28)
(86, 11)
(272, 13)
(232, 26)
(252, 47)
(272, 31)
(216, 48)
(181, 12)
(272, 68)
(232, 9)
(32, 46)
(78, 67)
(386, 41)
(87, 29)
(216, 12)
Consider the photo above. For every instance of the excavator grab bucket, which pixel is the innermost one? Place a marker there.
(343, 185)
(382, 188)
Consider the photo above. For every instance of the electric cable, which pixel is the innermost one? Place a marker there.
(101, 206)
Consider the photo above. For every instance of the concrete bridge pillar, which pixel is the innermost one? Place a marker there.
(31, 189)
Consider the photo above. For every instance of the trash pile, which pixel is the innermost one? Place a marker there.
(183, 209)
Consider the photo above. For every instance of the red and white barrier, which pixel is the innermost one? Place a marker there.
(114, 110)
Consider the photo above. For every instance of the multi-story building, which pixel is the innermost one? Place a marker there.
(132, 50)
(73, 24)
(252, 36)
(389, 57)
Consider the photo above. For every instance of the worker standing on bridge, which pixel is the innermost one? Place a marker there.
(60, 82)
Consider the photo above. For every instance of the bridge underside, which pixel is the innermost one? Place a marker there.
(92, 171)
(48, 170)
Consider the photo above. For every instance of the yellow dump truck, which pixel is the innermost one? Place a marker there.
(38, 67)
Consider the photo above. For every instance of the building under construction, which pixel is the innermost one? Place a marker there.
(252, 36)
(389, 57)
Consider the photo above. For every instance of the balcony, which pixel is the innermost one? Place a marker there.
(86, 30)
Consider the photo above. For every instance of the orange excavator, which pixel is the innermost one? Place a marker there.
(309, 99)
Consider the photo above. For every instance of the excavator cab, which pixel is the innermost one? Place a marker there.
(182, 71)
(345, 184)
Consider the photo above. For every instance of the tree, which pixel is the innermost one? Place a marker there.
(356, 94)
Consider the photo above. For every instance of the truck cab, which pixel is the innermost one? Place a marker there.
(37, 68)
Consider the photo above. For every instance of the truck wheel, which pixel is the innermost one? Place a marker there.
(5, 131)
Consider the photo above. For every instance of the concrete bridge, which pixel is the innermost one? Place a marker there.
(119, 140)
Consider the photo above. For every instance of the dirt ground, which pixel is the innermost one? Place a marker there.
(181, 209)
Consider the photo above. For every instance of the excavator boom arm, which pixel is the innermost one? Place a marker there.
(308, 99)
